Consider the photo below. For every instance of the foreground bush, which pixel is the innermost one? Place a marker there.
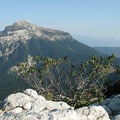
(58, 79)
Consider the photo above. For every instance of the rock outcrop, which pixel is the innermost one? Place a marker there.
(31, 106)
(112, 106)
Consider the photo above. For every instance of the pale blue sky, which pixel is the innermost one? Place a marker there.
(95, 18)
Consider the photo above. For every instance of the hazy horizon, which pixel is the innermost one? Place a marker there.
(96, 19)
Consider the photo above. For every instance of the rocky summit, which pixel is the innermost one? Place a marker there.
(31, 106)
(24, 31)
(23, 38)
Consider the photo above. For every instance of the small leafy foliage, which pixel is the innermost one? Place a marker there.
(59, 79)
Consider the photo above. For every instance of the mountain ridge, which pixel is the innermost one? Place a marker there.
(17, 42)
(109, 50)
(24, 31)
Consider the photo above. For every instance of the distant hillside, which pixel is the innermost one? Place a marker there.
(99, 42)
(109, 50)
(22, 38)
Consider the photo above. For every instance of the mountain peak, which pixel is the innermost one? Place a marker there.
(23, 22)
(19, 25)
(25, 31)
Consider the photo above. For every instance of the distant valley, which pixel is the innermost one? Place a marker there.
(109, 50)
(98, 41)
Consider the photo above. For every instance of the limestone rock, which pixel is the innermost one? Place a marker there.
(117, 117)
(31, 93)
(18, 117)
(27, 106)
(41, 98)
(31, 106)
(92, 113)
(106, 102)
(63, 115)
(107, 110)
(15, 110)
(16, 100)
(40, 105)
(114, 105)
(1, 112)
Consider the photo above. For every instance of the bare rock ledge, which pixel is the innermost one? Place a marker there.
(31, 106)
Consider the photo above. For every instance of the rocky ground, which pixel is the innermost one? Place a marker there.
(31, 106)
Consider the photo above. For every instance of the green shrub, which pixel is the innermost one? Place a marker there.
(58, 79)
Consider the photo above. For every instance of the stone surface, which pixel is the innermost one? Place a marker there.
(63, 115)
(31, 106)
(15, 110)
(107, 110)
(92, 113)
(40, 105)
(114, 105)
(27, 106)
(16, 100)
(31, 93)
(41, 98)
(117, 117)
